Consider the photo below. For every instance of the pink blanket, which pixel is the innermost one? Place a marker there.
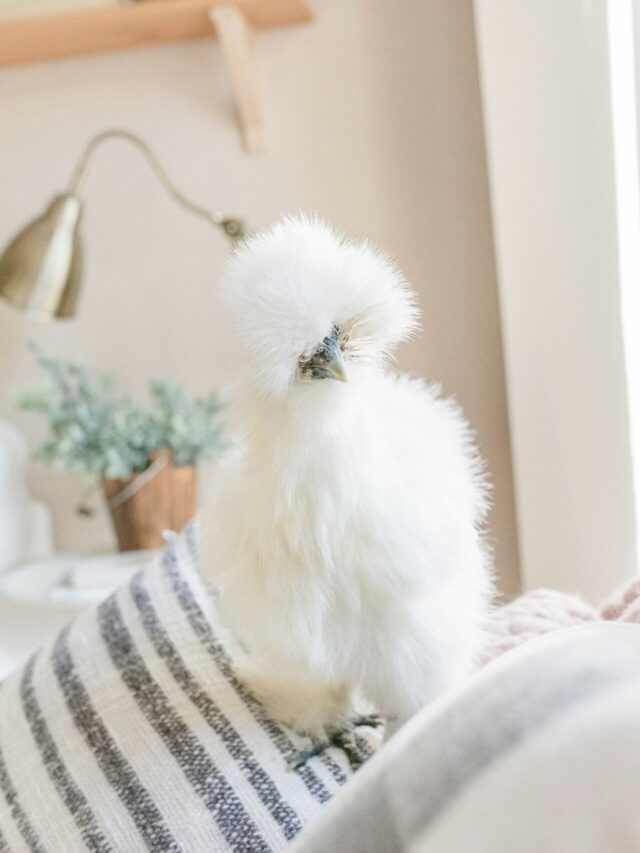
(544, 610)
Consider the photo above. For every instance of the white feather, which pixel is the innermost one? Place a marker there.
(346, 535)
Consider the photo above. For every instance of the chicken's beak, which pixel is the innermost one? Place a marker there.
(336, 368)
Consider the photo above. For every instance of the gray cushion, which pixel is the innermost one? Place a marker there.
(539, 752)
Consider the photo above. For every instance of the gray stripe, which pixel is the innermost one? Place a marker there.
(204, 632)
(69, 792)
(190, 534)
(4, 847)
(365, 749)
(112, 762)
(208, 782)
(255, 774)
(18, 814)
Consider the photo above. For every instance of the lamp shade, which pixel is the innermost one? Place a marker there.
(41, 267)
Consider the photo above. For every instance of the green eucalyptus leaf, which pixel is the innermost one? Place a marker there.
(92, 430)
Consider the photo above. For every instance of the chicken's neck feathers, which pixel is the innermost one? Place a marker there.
(309, 429)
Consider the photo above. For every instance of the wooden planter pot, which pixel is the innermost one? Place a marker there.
(167, 501)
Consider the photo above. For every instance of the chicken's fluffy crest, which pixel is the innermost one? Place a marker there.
(287, 287)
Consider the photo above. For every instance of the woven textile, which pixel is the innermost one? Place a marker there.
(133, 732)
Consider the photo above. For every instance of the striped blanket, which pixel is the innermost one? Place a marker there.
(132, 732)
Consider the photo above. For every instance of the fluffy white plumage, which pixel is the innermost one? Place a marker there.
(345, 535)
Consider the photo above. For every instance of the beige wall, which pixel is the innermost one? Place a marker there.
(374, 122)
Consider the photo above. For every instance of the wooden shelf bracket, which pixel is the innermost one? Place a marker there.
(236, 42)
(119, 27)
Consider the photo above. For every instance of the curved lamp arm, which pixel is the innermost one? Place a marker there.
(233, 227)
(41, 267)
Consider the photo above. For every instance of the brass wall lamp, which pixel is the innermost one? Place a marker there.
(41, 268)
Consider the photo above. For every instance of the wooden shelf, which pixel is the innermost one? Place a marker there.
(112, 28)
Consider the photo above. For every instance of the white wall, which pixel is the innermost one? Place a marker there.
(375, 122)
(548, 111)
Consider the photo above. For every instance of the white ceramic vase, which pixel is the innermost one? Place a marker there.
(15, 503)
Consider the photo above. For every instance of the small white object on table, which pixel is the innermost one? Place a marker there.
(38, 598)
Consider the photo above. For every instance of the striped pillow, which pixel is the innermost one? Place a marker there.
(132, 732)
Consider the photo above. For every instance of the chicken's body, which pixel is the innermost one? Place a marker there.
(345, 534)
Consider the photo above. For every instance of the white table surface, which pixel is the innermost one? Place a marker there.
(24, 628)
(26, 624)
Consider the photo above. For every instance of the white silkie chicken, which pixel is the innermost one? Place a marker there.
(345, 536)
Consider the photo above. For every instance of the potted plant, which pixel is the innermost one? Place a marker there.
(145, 458)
